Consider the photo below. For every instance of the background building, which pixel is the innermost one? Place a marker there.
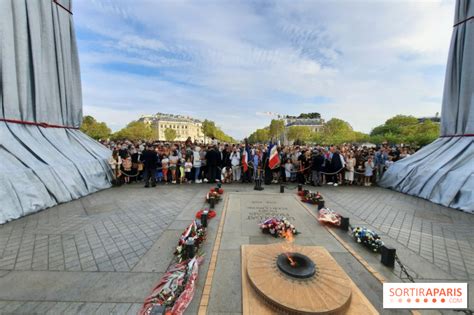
(315, 124)
(184, 126)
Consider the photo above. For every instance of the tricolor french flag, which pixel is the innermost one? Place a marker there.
(245, 160)
(274, 157)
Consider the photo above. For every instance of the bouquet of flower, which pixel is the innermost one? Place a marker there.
(194, 234)
(175, 290)
(368, 238)
(187, 294)
(312, 198)
(218, 190)
(301, 193)
(213, 195)
(210, 213)
(277, 227)
(326, 215)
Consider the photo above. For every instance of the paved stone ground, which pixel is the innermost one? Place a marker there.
(104, 253)
(437, 235)
(99, 254)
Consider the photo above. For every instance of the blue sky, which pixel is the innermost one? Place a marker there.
(362, 61)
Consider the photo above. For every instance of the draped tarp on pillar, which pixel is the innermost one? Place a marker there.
(43, 165)
(443, 171)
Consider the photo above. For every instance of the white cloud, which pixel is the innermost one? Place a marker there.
(227, 60)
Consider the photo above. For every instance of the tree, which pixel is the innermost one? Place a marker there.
(209, 129)
(402, 121)
(259, 136)
(136, 130)
(394, 125)
(406, 129)
(422, 134)
(94, 129)
(277, 127)
(301, 133)
(361, 137)
(337, 131)
(317, 138)
(170, 134)
(310, 116)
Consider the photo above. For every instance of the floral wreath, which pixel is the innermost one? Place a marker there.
(368, 238)
(312, 198)
(210, 213)
(213, 195)
(218, 190)
(277, 227)
(195, 233)
(326, 215)
(176, 288)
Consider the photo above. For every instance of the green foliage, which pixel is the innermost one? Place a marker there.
(299, 133)
(396, 130)
(337, 131)
(405, 129)
(259, 136)
(134, 131)
(170, 134)
(422, 134)
(316, 138)
(310, 116)
(209, 129)
(402, 121)
(94, 129)
(394, 125)
(277, 127)
(306, 116)
(360, 137)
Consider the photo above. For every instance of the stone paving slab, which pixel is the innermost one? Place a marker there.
(82, 256)
(77, 286)
(244, 212)
(158, 258)
(441, 236)
(119, 241)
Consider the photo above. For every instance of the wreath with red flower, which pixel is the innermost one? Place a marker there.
(311, 197)
(175, 290)
(218, 190)
(326, 215)
(194, 233)
(210, 213)
(213, 195)
(277, 227)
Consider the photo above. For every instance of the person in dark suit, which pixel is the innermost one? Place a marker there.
(213, 158)
(317, 167)
(267, 175)
(150, 162)
(335, 166)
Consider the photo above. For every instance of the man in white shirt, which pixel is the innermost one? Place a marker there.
(235, 162)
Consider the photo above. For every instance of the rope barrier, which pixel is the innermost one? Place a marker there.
(455, 136)
(464, 21)
(325, 173)
(39, 124)
(63, 7)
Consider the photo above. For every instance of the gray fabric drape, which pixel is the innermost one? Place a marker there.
(443, 171)
(40, 82)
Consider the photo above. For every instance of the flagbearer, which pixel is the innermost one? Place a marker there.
(246, 175)
(274, 162)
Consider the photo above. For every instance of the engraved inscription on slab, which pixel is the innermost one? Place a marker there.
(260, 210)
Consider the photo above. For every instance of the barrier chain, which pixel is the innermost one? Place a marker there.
(403, 269)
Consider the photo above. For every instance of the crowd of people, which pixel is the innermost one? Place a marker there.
(190, 162)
